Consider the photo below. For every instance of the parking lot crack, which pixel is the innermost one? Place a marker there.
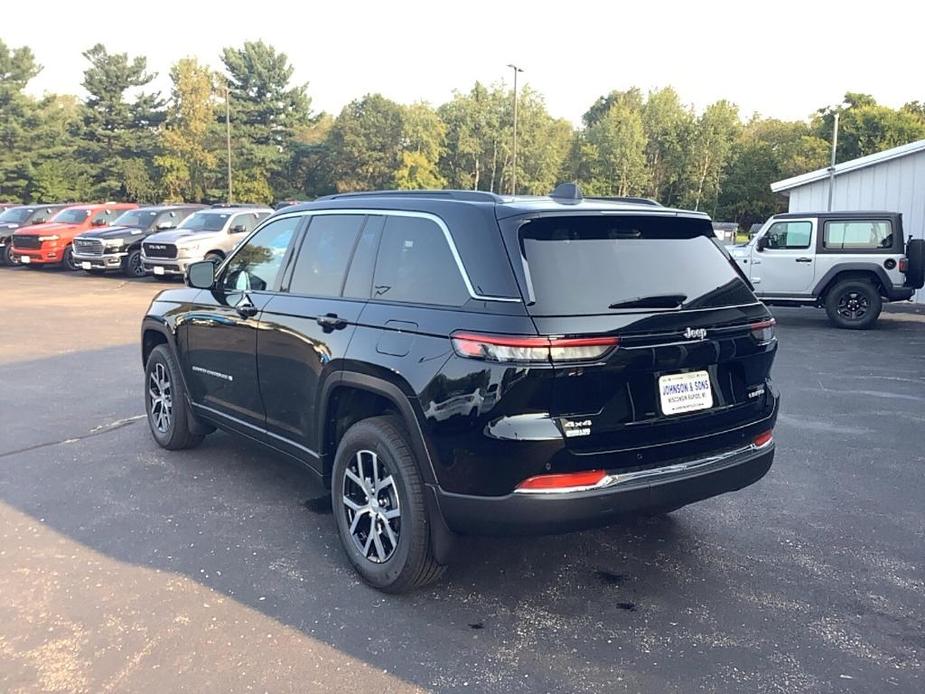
(95, 431)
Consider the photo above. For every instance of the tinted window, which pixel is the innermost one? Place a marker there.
(255, 265)
(248, 221)
(325, 252)
(858, 234)
(415, 264)
(593, 265)
(169, 220)
(789, 235)
(360, 278)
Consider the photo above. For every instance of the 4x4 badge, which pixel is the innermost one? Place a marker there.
(695, 333)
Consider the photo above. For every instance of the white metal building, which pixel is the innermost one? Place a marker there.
(892, 180)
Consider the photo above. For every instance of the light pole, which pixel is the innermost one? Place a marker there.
(514, 157)
(228, 135)
(836, 112)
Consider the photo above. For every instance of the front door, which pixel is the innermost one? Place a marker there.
(786, 266)
(307, 328)
(221, 330)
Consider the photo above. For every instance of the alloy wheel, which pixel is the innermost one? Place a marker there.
(853, 305)
(161, 398)
(370, 503)
(135, 266)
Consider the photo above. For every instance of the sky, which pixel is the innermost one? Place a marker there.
(781, 59)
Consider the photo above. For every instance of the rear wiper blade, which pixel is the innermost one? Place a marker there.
(655, 301)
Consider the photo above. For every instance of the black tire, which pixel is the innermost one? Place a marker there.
(853, 304)
(132, 265)
(5, 252)
(915, 274)
(216, 258)
(169, 422)
(67, 260)
(408, 562)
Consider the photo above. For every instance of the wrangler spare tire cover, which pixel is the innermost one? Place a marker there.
(915, 252)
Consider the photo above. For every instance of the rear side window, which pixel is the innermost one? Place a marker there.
(783, 235)
(324, 255)
(586, 265)
(858, 234)
(416, 264)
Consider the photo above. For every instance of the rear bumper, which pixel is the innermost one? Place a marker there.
(665, 488)
(895, 293)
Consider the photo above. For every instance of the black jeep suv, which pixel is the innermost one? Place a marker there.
(459, 362)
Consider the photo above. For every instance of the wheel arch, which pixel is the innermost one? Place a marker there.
(354, 396)
(853, 271)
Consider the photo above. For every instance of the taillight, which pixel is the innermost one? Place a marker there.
(763, 440)
(903, 264)
(763, 331)
(565, 482)
(531, 349)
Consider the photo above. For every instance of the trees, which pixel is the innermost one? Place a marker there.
(119, 138)
(266, 111)
(365, 144)
(188, 139)
(17, 67)
(711, 142)
(617, 142)
(866, 127)
(423, 142)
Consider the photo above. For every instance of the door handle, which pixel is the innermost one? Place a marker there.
(330, 321)
(804, 260)
(246, 308)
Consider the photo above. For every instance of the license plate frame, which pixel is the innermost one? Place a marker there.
(25, 259)
(158, 270)
(686, 392)
(86, 265)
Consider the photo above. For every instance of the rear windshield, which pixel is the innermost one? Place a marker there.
(601, 264)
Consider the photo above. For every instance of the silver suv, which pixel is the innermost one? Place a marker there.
(206, 235)
(847, 262)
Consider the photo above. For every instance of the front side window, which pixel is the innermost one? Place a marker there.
(784, 235)
(858, 234)
(416, 265)
(324, 255)
(16, 215)
(256, 264)
(244, 223)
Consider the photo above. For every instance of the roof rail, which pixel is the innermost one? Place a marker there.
(467, 195)
(626, 198)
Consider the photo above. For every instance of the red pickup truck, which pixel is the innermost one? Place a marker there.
(50, 243)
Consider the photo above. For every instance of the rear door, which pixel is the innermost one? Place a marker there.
(787, 265)
(690, 362)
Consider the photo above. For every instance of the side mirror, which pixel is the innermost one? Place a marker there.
(98, 222)
(238, 229)
(163, 226)
(761, 243)
(201, 275)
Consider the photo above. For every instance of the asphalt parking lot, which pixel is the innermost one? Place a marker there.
(126, 567)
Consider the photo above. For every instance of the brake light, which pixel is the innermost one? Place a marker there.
(763, 440)
(531, 349)
(903, 264)
(764, 330)
(569, 481)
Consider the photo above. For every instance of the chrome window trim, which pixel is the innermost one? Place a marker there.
(396, 213)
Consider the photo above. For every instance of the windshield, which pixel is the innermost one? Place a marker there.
(16, 214)
(135, 218)
(206, 221)
(593, 265)
(71, 216)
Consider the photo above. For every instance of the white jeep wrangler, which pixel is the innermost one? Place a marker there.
(847, 262)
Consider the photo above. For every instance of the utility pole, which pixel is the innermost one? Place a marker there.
(832, 165)
(514, 157)
(228, 136)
